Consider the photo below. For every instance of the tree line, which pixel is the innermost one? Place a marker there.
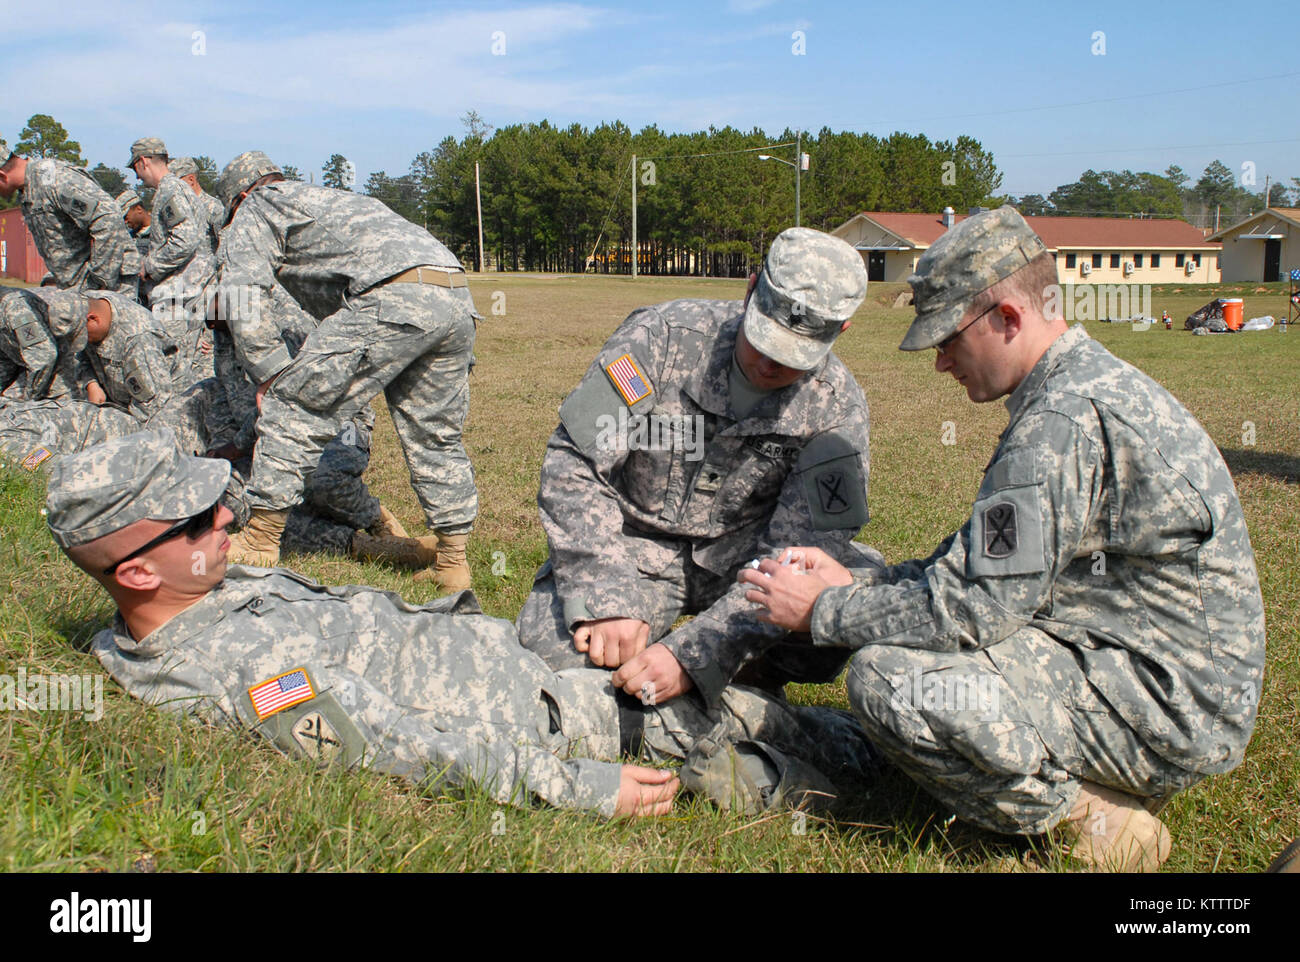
(1216, 194)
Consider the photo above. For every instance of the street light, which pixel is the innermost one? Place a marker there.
(802, 165)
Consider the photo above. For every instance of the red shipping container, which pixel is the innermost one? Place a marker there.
(18, 257)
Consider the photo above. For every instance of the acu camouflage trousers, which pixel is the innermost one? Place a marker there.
(412, 342)
(1002, 736)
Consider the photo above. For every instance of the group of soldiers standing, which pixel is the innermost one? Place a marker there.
(713, 463)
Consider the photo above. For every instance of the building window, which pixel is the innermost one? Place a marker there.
(1196, 259)
(1114, 260)
(1070, 261)
(1096, 260)
(1137, 260)
(1155, 260)
(1179, 259)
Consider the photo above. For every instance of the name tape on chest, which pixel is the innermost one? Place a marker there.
(283, 691)
(628, 379)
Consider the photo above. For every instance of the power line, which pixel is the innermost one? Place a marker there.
(1084, 103)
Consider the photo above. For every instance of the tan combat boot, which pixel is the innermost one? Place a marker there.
(402, 551)
(258, 542)
(1114, 832)
(450, 570)
(387, 525)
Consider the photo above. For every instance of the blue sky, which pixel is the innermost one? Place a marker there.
(1176, 84)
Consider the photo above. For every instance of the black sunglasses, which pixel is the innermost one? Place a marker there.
(190, 527)
(947, 342)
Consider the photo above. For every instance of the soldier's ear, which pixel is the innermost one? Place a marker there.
(138, 574)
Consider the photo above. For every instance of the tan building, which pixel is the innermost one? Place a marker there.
(1261, 248)
(1088, 250)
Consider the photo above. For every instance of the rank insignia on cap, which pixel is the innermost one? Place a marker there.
(281, 692)
(628, 379)
(36, 458)
(1000, 539)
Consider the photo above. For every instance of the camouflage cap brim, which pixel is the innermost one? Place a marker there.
(109, 486)
(780, 343)
(930, 329)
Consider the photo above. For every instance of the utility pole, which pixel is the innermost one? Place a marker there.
(478, 199)
(633, 215)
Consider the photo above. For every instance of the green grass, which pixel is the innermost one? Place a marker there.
(133, 790)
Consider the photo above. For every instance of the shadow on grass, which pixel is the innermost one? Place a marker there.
(1284, 467)
(912, 827)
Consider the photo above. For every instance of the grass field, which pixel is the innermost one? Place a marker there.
(140, 790)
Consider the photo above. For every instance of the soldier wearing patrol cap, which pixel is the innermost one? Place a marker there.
(188, 171)
(1092, 640)
(704, 435)
(180, 257)
(76, 226)
(391, 312)
(138, 220)
(353, 675)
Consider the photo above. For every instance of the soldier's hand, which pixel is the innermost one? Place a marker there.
(95, 394)
(229, 452)
(786, 593)
(610, 642)
(645, 791)
(654, 676)
(262, 389)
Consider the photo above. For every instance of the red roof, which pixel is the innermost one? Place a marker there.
(1094, 233)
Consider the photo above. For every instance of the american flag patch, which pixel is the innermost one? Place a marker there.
(36, 458)
(281, 692)
(629, 380)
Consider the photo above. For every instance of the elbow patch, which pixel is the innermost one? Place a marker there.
(591, 410)
(834, 482)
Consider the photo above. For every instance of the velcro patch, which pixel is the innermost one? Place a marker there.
(30, 333)
(1000, 537)
(36, 458)
(626, 376)
(281, 692)
(317, 737)
(836, 494)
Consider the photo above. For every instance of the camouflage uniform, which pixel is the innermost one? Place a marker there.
(179, 263)
(1098, 618)
(38, 431)
(336, 254)
(78, 229)
(651, 534)
(136, 364)
(41, 332)
(354, 675)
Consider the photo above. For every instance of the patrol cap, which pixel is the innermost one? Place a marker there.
(111, 485)
(183, 166)
(127, 199)
(147, 147)
(242, 173)
(967, 260)
(811, 283)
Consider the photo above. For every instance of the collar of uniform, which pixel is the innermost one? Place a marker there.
(792, 410)
(1051, 357)
(707, 385)
(177, 630)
